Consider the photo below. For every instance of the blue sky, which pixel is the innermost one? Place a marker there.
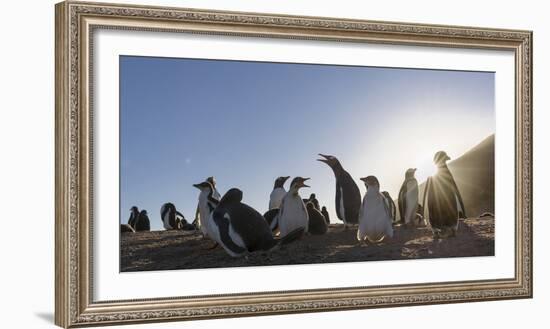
(247, 123)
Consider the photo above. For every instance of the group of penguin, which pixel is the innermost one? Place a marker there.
(171, 220)
(240, 229)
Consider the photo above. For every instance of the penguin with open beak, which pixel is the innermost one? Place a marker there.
(348, 197)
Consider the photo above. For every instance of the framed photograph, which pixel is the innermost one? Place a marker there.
(218, 164)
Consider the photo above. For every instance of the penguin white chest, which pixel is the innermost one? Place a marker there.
(374, 220)
(293, 214)
(166, 222)
(276, 197)
(204, 214)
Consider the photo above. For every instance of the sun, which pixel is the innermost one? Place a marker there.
(424, 169)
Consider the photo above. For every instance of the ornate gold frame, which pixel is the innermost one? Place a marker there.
(76, 21)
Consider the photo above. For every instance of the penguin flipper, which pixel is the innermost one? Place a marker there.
(401, 200)
(338, 202)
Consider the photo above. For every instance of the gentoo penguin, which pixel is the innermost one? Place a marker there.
(126, 228)
(182, 222)
(348, 197)
(134, 213)
(142, 222)
(391, 205)
(271, 219)
(240, 229)
(168, 216)
(408, 198)
(313, 199)
(207, 203)
(375, 222)
(317, 223)
(278, 192)
(325, 214)
(444, 203)
(292, 214)
(215, 194)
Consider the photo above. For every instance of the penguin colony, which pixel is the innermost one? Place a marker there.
(240, 229)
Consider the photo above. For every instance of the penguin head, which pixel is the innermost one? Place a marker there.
(371, 181)
(330, 160)
(324, 208)
(310, 206)
(234, 195)
(211, 180)
(280, 181)
(134, 209)
(312, 196)
(143, 213)
(297, 183)
(204, 186)
(410, 173)
(440, 158)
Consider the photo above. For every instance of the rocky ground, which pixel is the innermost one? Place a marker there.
(167, 250)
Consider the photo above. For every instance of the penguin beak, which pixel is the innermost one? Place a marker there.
(325, 160)
(302, 183)
(197, 186)
(364, 179)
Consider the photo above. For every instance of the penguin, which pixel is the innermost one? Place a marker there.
(278, 192)
(271, 218)
(142, 222)
(408, 198)
(348, 197)
(168, 216)
(126, 228)
(134, 213)
(317, 223)
(240, 229)
(443, 204)
(391, 205)
(375, 222)
(207, 204)
(215, 194)
(293, 214)
(182, 222)
(325, 214)
(313, 199)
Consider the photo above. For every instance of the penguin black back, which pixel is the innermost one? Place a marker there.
(143, 223)
(134, 213)
(317, 223)
(392, 207)
(245, 221)
(168, 213)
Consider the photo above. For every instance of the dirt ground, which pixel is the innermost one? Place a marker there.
(168, 250)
